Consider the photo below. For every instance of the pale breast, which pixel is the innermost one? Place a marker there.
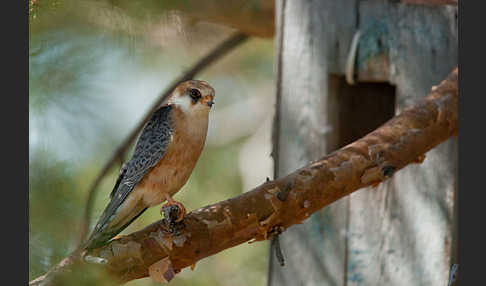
(177, 164)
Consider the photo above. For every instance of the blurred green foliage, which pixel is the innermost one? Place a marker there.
(90, 81)
(53, 207)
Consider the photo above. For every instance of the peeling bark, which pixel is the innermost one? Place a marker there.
(276, 205)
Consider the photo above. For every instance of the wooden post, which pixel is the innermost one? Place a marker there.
(401, 233)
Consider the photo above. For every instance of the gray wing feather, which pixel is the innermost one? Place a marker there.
(150, 148)
(121, 175)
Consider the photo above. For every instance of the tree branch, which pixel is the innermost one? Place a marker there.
(279, 204)
(218, 52)
(254, 19)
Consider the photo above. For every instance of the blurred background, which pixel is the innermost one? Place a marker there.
(95, 68)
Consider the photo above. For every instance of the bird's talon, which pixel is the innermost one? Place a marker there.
(173, 215)
(182, 212)
(173, 212)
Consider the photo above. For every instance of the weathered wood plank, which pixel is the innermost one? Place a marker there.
(401, 233)
(314, 251)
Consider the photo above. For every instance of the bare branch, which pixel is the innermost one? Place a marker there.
(255, 19)
(218, 52)
(276, 205)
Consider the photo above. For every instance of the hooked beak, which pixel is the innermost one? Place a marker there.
(210, 103)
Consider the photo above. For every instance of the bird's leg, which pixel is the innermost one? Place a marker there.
(168, 214)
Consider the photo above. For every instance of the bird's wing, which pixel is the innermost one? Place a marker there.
(121, 175)
(150, 148)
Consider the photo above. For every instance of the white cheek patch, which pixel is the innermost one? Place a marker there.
(184, 102)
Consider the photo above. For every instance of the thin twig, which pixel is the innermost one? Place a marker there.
(278, 250)
(218, 52)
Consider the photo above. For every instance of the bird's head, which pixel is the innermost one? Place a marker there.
(193, 96)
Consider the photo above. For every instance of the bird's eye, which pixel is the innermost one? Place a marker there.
(195, 94)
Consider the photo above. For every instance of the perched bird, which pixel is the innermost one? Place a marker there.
(164, 157)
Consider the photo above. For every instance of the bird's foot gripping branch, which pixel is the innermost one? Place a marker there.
(172, 218)
(276, 205)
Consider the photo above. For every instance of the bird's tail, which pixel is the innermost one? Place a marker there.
(107, 228)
